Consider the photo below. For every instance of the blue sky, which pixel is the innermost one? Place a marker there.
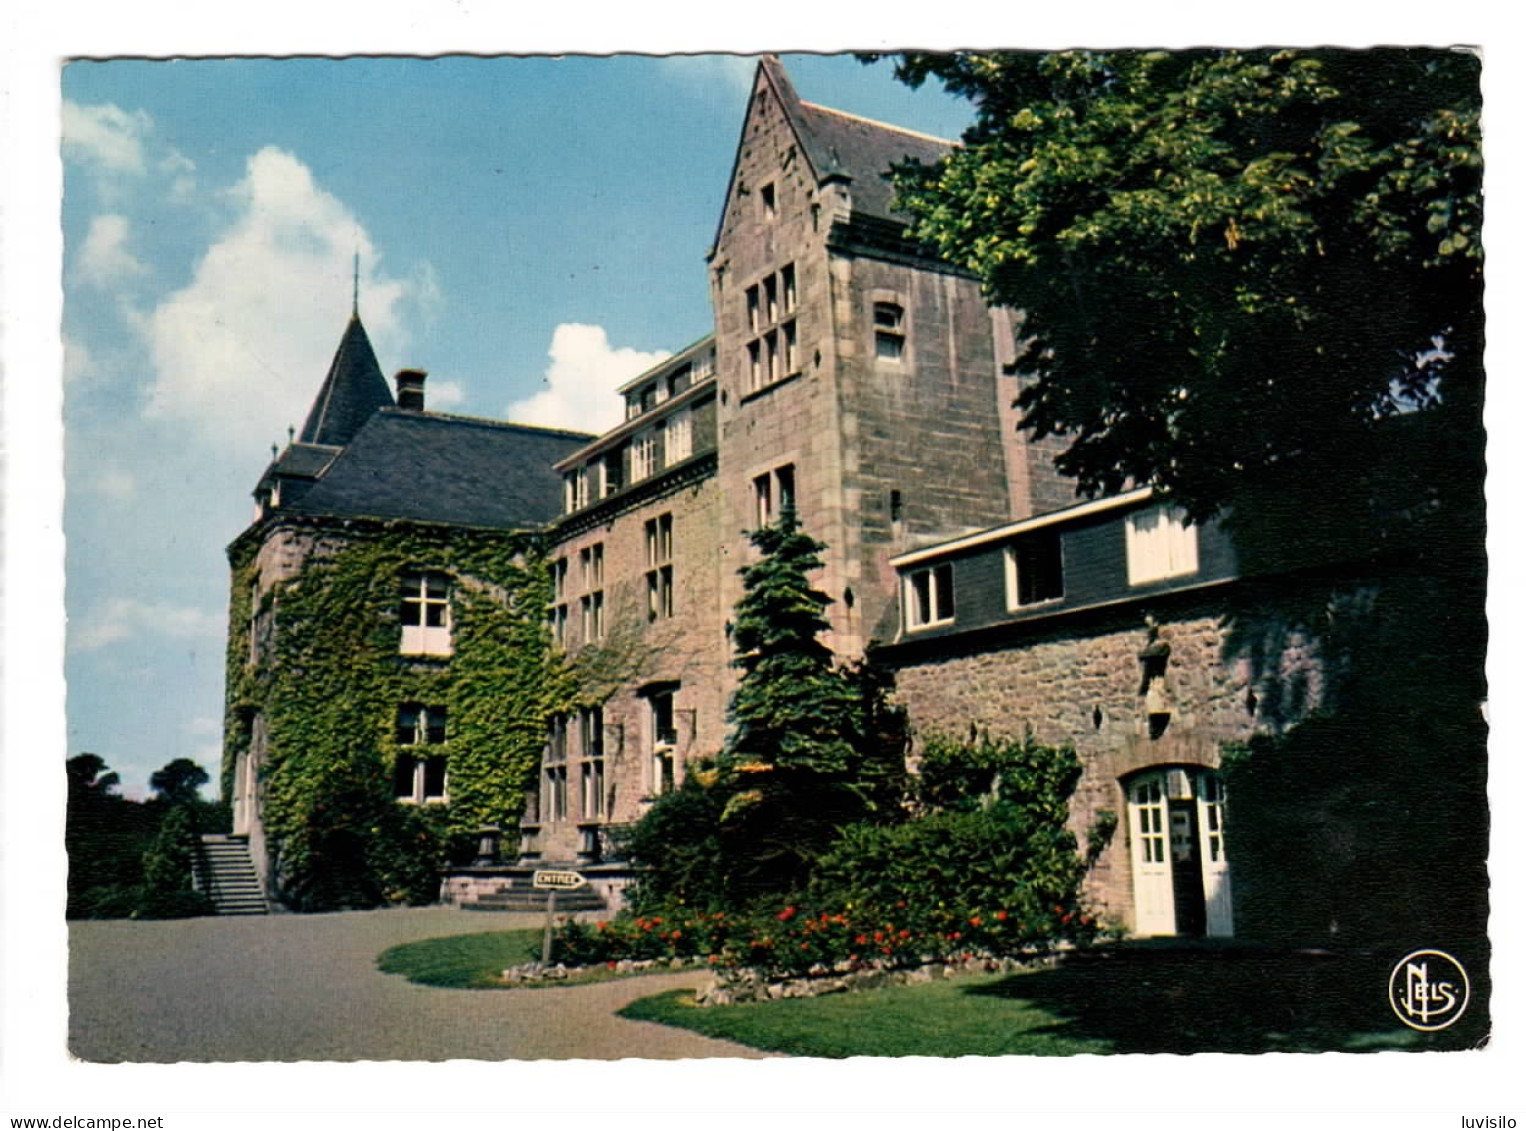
(531, 231)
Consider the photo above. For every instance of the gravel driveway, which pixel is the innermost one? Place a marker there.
(306, 987)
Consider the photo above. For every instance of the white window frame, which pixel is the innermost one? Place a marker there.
(1014, 573)
(592, 784)
(664, 767)
(425, 601)
(680, 437)
(1160, 544)
(772, 492)
(553, 798)
(659, 561)
(644, 456)
(924, 597)
(418, 752)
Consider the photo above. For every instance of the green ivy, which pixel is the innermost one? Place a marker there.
(331, 681)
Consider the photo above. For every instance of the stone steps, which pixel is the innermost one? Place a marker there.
(531, 899)
(228, 876)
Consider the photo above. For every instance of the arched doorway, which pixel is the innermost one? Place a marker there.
(1176, 842)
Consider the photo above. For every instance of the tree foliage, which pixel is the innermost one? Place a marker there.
(990, 835)
(178, 782)
(129, 858)
(1234, 265)
(328, 690)
(814, 747)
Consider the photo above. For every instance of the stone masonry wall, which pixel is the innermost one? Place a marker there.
(1084, 688)
(688, 649)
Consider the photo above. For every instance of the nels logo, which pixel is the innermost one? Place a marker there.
(1428, 990)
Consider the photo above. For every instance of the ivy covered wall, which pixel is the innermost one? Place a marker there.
(315, 701)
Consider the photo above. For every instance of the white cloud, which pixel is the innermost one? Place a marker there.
(105, 136)
(181, 171)
(124, 618)
(444, 395)
(703, 74)
(103, 259)
(582, 379)
(241, 351)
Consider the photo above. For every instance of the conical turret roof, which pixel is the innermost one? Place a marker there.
(353, 390)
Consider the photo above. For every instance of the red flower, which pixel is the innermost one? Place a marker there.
(714, 959)
(603, 926)
(905, 934)
(676, 935)
(1001, 916)
(956, 936)
(861, 940)
(975, 920)
(879, 936)
(1065, 918)
(610, 964)
(786, 915)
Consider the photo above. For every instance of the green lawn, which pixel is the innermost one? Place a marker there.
(477, 962)
(941, 1019)
(1133, 998)
(462, 962)
(1144, 1000)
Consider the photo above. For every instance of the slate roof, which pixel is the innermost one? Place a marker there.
(432, 467)
(302, 460)
(841, 144)
(352, 391)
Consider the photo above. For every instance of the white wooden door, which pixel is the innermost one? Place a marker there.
(1210, 823)
(1154, 909)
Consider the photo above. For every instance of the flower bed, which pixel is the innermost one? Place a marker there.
(734, 985)
(794, 945)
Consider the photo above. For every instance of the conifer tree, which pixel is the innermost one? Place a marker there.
(807, 754)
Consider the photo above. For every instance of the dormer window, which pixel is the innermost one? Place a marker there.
(680, 437)
(1034, 569)
(644, 455)
(929, 596)
(575, 489)
(1160, 544)
(425, 614)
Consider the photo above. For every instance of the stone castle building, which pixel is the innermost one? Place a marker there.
(867, 383)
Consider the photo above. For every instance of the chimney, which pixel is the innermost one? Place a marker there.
(410, 389)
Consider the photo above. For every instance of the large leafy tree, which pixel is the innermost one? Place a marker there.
(1235, 266)
(1253, 281)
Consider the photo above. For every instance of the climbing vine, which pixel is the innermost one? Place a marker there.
(328, 680)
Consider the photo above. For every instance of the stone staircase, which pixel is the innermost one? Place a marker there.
(531, 899)
(227, 875)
